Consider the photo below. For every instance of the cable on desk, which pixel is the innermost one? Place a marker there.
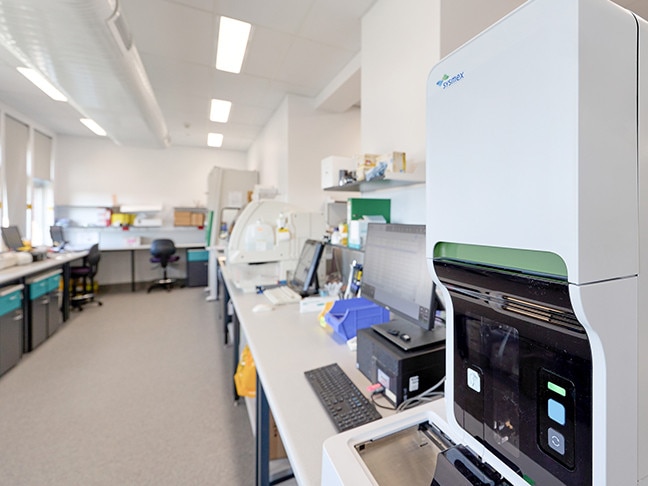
(424, 397)
(382, 394)
(427, 396)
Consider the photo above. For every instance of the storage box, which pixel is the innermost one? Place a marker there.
(315, 303)
(331, 167)
(277, 450)
(188, 218)
(182, 218)
(197, 219)
(358, 230)
(347, 316)
(364, 163)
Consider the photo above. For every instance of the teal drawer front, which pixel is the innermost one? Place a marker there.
(53, 283)
(38, 289)
(197, 255)
(10, 302)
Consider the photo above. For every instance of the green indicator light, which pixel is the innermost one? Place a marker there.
(558, 389)
(528, 480)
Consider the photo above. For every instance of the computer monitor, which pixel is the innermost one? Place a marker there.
(395, 274)
(12, 238)
(305, 280)
(58, 236)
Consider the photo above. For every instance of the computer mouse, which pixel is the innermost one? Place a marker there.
(262, 308)
(405, 337)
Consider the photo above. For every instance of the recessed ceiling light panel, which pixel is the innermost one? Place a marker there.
(214, 139)
(42, 83)
(220, 110)
(233, 37)
(93, 126)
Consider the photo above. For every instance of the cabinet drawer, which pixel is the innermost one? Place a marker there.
(10, 301)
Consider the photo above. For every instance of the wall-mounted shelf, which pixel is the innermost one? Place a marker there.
(392, 181)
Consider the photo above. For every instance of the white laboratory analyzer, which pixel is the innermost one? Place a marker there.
(537, 232)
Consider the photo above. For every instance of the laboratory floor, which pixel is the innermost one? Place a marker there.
(136, 392)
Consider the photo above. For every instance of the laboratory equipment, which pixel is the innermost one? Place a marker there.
(536, 238)
(227, 193)
(272, 231)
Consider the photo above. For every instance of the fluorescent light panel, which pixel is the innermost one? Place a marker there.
(43, 84)
(92, 125)
(233, 37)
(220, 110)
(214, 139)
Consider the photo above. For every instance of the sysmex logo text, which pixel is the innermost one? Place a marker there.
(446, 81)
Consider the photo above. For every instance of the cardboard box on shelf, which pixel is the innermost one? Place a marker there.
(182, 218)
(188, 217)
(197, 219)
(277, 450)
(364, 163)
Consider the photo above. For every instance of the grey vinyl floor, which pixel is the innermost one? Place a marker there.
(136, 392)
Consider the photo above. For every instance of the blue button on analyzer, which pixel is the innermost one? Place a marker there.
(556, 411)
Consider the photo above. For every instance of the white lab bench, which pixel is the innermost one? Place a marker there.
(284, 344)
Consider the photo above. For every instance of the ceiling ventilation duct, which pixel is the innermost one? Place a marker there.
(84, 47)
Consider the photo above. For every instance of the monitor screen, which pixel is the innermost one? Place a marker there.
(58, 237)
(395, 274)
(306, 269)
(12, 238)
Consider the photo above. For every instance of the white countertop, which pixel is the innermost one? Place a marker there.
(52, 261)
(284, 344)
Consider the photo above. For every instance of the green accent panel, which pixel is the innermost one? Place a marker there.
(534, 261)
(359, 207)
(209, 227)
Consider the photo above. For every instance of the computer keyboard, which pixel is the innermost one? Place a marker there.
(282, 295)
(345, 404)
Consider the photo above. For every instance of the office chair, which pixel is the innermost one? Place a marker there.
(83, 275)
(163, 252)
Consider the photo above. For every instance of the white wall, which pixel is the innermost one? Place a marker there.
(89, 171)
(400, 44)
(315, 135)
(289, 151)
(464, 19)
(269, 152)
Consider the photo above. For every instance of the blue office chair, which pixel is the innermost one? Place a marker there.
(82, 278)
(163, 252)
